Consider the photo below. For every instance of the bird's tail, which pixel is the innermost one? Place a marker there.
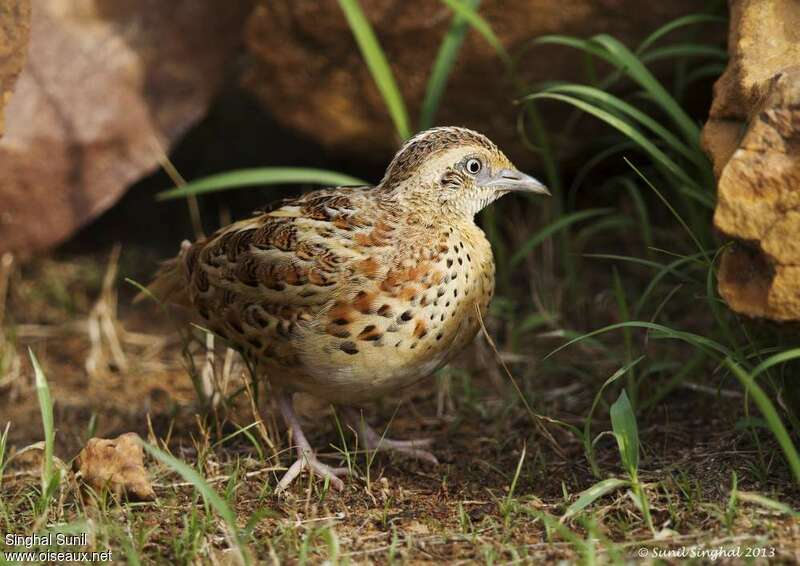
(169, 284)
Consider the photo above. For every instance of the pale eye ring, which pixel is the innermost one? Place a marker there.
(473, 166)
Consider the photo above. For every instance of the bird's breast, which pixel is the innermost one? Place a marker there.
(404, 323)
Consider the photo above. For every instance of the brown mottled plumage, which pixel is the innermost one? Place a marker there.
(353, 293)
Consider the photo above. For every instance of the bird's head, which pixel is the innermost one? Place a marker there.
(454, 171)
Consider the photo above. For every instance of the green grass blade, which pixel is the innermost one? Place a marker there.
(613, 223)
(469, 14)
(709, 71)
(775, 360)
(689, 368)
(573, 42)
(615, 53)
(591, 94)
(669, 268)
(261, 176)
(687, 185)
(623, 423)
(589, 496)
(46, 409)
(594, 161)
(443, 65)
(770, 414)
(587, 426)
(378, 65)
(684, 51)
(211, 497)
(623, 312)
(766, 503)
(3, 444)
(642, 261)
(697, 340)
(621, 56)
(554, 227)
(645, 226)
(669, 27)
(674, 212)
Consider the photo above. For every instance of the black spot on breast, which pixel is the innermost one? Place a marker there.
(341, 321)
(369, 333)
(449, 263)
(439, 336)
(348, 348)
(406, 316)
(385, 310)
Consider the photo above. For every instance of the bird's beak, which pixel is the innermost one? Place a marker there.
(513, 180)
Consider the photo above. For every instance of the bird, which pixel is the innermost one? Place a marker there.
(353, 294)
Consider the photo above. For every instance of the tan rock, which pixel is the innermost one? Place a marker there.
(753, 138)
(104, 85)
(15, 18)
(116, 465)
(310, 74)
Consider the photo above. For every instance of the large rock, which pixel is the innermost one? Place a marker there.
(15, 18)
(104, 85)
(753, 137)
(311, 76)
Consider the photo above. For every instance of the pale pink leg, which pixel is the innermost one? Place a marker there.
(371, 440)
(306, 458)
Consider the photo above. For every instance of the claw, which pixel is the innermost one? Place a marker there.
(308, 461)
(374, 441)
(306, 458)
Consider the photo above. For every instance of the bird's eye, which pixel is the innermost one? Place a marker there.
(473, 166)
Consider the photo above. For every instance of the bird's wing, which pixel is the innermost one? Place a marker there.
(259, 278)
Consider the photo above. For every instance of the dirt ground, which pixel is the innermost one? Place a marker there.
(468, 508)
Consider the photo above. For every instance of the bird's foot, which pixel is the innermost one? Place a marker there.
(373, 441)
(307, 460)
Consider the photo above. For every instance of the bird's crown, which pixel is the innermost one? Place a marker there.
(427, 143)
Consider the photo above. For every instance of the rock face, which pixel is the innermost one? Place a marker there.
(753, 138)
(310, 74)
(15, 18)
(106, 84)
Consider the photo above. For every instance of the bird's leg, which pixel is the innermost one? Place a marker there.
(372, 440)
(306, 458)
